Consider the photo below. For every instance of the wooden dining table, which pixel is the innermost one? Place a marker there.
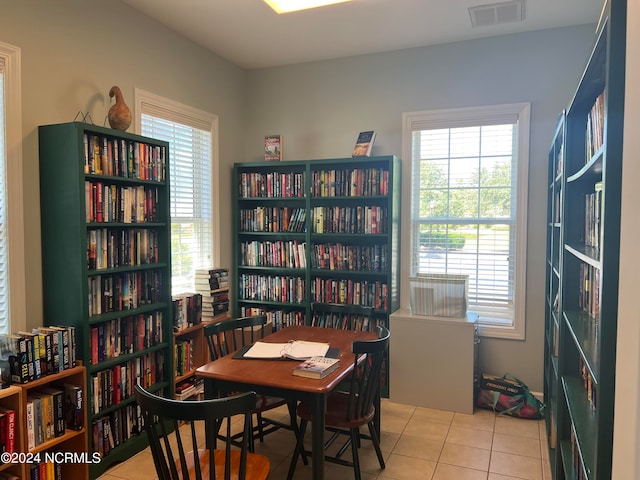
(275, 377)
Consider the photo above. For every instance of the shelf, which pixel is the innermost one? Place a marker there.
(378, 185)
(585, 333)
(74, 161)
(583, 419)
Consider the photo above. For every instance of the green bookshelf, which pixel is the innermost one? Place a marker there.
(317, 241)
(106, 269)
(583, 243)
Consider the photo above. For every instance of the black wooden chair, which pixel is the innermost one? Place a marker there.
(347, 411)
(228, 336)
(182, 459)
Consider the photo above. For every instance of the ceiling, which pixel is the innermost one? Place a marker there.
(251, 35)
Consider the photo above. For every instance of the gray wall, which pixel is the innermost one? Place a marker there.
(320, 107)
(73, 52)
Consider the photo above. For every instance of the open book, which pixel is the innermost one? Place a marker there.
(295, 349)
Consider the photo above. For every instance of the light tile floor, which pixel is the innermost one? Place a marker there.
(418, 444)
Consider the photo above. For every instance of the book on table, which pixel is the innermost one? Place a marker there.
(316, 367)
(295, 350)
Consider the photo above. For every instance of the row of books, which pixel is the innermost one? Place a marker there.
(271, 184)
(123, 291)
(579, 472)
(350, 182)
(279, 253)
(273, 219)
(345, 321)
(111, 248)
(112, 386)
(125, 335)
(123, 158)
(595, 128)
(49, 411)
(349, 219)
(107, 203)
(337, 256)
(350, 292)
(592, 214)
(117, 427)
(27, 356)
(589, 293)
(588, 384)
(187, 310)
(40, 471)
(272, 288)
(557, 206)
(278, 318)
(183, 355)
(559, 160)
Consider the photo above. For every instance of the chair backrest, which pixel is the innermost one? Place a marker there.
(182, 459)
(228, 336)
(365, 382)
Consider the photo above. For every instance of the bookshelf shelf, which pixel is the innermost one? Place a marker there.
(107, 269)
(584, 198)
(71, 440)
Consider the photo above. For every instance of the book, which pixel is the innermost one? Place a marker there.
(9, 433)
(73, 412)
(316, 367)
(364, 144)
(273, 148)
(295, 350)
(31, 432)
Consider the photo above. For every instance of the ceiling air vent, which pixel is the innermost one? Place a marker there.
(495, 13)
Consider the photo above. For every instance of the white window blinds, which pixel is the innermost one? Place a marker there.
(190, 168)
(466, 212)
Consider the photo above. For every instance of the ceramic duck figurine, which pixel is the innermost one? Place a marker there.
(119, 114)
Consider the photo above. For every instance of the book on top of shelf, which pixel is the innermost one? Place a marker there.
(273, 148)
(364, 144)
(316, 367)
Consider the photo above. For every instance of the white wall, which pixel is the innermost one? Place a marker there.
(73, 51)
(320, 107)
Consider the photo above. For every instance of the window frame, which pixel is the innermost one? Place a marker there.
(152, 104)
(10, 56)
(474, 116)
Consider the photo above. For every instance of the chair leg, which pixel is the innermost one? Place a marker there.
(260, 427)
(252, 447)
(293, 421)
(376, 444)
(299, 450)
(355, 440)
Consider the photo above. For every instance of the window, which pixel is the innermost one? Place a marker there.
(12, 268)
(192, 136)
(468, 206)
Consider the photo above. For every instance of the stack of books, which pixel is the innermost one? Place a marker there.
(27, 356)
(213, 285)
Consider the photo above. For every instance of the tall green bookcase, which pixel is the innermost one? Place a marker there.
(553, 275)
(581, 397)
(317, 242)
(106, 269)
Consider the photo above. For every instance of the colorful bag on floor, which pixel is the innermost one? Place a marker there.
(508, 395)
